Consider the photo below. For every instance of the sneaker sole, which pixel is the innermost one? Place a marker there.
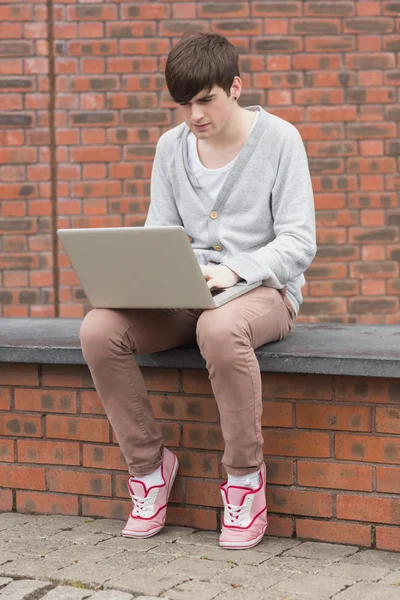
(147, 534)
(244, 545)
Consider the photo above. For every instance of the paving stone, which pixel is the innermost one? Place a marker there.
(203, 538)
(5, 581)
(135, 560)
(176, 550)
(90, 573)
(148, 597)
(23, 588)
(145, 582)
(354, 572)
(6, 556)
(34, 567)
(67, 592)
(80, 536)
(123, 543)
(171, 534)
(236, 557)
(111, 595)
(312, 586)
(191, 589)
(322, 551)
(275, 546)
(376, 558)
(251, 594)
(194, 568)
(85, 552)
(35, 547)
(10, 519)
(295, 564)
(108, 526)
(392, 578)
(252, 577)
(370, 591)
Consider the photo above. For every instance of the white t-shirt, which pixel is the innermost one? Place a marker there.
(211, 180)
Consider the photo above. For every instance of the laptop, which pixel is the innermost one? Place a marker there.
(142, 267)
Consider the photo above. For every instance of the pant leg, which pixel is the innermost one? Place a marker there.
(109, 340)
(227, 337)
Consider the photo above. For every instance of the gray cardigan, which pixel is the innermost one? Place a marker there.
(263, 218)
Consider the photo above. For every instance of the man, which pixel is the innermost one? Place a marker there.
(238, 181)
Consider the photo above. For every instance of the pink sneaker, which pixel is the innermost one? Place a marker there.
(245, 515)
(150, 505)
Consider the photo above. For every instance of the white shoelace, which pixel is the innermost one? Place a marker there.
(141, 505)
(235, 514)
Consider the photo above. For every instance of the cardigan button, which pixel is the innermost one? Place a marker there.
(213, 214)
(218, 248)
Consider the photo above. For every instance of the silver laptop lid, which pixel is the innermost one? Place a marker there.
(137, 267)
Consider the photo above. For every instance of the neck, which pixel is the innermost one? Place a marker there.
(236, 129)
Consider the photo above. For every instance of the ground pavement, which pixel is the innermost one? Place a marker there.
(73, 558)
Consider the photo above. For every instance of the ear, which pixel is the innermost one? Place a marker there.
(236, 87)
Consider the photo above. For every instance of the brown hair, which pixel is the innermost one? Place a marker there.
(198, 62)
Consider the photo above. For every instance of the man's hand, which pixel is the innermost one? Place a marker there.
(219, 276)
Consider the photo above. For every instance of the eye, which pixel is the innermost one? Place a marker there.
(205, 100)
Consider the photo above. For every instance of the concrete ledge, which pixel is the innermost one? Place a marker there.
(331, 349)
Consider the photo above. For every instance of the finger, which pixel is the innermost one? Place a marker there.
(212, 283)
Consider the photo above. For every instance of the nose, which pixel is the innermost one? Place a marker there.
(197, 113)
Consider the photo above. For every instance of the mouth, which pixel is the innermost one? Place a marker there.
(200, 127)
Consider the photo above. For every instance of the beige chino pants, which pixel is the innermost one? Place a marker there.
(226, 336)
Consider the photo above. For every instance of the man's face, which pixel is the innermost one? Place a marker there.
(208, 112)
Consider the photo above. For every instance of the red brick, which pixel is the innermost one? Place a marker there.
(75, 428)
(279, 471)
(18, 374)
(45, 400)
(299, 502)
(197, 464)
(388, 419)
(47, 504)
(296, 443)
(106, 508)
(329, 531)
(20, 425)
(388, 480)
(6, 451)
(368, 509)
(161, 380)
(277, 414)
(183, 408)
(67, 376)
(388, 538)
(14, 476)
(334, 475)
(79, 482)
(366, 389)
(203, 492)
(5, 399)
(44, 452)
(381, 449)
(6, 500)
(206, 437)
(197, 518)
(279, 526)
(91, 403)
(283, 385)
(103, 457)
(171, 433)
(333, 416)
(196, 382)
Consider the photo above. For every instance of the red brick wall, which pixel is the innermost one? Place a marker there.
(332, 448)
(331, 68)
